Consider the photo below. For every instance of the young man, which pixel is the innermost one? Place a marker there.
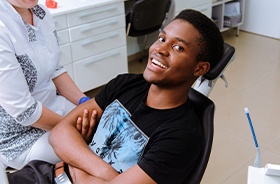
(146, 130)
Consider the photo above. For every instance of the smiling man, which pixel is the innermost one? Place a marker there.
(146, 128)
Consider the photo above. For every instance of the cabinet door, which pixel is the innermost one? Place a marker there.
(96, 44)
(99, 69)
(97, 27)
(95, 14)
(185, 4)
(205, 9)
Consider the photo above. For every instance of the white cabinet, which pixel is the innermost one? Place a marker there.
(203, 6)
(218, 11)
(98, 69)
(93, 42)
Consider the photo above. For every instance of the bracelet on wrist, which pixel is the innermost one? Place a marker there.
(83, 99)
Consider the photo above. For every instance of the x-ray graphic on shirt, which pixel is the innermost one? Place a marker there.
(117, 140)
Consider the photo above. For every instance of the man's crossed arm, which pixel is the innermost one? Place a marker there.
(68, 140)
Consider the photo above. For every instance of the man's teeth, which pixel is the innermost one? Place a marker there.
(158, 63)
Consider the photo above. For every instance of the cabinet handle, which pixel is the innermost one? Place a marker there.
(95, 27)
(86, 43)
(94, 13)
(113, 54)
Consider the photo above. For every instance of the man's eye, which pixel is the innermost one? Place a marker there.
(161, 39)
(178, 47)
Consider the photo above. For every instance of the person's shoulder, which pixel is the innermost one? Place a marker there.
(128, 77)
(122, 80)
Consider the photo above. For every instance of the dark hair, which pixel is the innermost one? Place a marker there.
(211, 41)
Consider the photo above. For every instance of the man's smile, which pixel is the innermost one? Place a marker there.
(158, 64)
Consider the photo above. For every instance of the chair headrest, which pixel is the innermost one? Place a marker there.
(144, 18)
(214, 72)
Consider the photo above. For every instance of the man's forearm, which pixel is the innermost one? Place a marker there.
(76, 152)
(70, 146)
(80, 176)
(133, 175)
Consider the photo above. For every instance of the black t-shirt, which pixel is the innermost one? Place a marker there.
(174, 136)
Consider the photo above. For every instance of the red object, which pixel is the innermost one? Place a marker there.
(51, 4)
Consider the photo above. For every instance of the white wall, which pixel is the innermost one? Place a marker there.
(262, 17)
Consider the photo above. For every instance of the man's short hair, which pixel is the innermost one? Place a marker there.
(211, 41)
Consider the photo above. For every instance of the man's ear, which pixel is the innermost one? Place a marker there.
(202, 68)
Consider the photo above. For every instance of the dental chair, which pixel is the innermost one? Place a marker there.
(206, 83)
(146, 17)
(204, 107)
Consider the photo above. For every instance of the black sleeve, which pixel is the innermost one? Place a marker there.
(171, 156)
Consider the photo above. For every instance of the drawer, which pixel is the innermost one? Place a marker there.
(100, 69)
(206, 9)
(97, 44)
(70, 71)
(60, 22)
(63, 36)
(94, 28)
(188, 4)
(65, 54)
(95, 13)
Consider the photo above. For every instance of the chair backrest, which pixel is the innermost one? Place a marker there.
(204, 108)
(205, 84)
(146, 16)
(214, 72)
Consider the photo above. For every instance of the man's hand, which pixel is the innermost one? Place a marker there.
(86, 125)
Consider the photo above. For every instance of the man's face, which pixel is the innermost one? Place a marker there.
(172, 58)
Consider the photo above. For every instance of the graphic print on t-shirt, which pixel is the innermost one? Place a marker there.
(117, 140)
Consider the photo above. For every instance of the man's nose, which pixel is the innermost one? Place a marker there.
(162, 49)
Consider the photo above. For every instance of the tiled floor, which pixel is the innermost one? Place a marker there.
(254, 82)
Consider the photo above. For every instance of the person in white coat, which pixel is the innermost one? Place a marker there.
(36, 91)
